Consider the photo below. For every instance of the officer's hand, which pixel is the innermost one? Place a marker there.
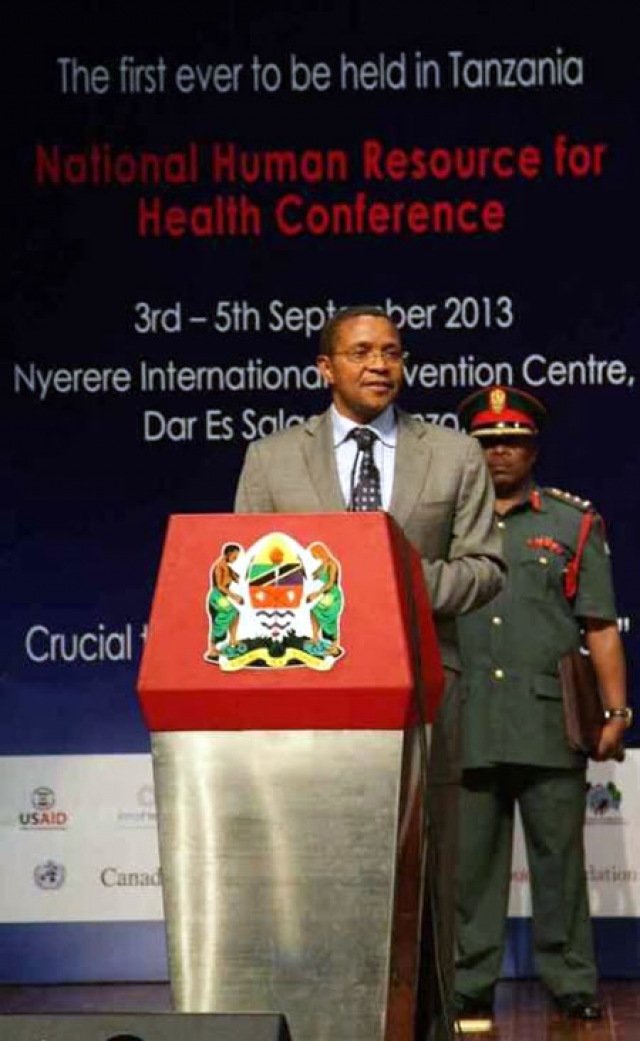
(610, 745)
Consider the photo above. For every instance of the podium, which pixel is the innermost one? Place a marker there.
(289, 670)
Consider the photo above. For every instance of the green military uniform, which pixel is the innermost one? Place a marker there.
(514, 748)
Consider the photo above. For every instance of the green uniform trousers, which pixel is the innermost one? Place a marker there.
(552, 806)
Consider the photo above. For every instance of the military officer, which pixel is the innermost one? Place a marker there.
(515, 750)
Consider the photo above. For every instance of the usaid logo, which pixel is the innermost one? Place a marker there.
(43, 798)
(43, 815)
(49, 875)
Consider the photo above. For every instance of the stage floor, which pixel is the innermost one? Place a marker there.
(522, 1010)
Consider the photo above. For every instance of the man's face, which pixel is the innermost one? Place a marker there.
(362, 376)
(510, 460)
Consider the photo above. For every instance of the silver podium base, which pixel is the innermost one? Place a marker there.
(292, 876)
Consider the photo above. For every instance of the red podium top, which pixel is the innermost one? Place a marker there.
(289, 622)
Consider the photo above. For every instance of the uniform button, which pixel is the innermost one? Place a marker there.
(498, 674)
(500, 524)
(543, 560)
(497, 620)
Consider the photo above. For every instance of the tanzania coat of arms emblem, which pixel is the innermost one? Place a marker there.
(274, 605)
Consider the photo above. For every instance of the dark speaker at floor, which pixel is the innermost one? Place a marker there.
(138, 1026)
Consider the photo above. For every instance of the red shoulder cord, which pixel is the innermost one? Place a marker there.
(573, 567)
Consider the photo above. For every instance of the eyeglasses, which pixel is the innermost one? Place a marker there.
(367, 355)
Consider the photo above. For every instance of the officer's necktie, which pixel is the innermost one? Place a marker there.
(365, 481)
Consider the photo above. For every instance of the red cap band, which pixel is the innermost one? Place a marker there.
(491, 418)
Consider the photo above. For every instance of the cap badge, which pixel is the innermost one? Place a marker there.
(497, 400)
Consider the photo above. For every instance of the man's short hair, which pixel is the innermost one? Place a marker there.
(329, 332)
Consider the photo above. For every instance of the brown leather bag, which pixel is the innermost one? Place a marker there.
(583, 711)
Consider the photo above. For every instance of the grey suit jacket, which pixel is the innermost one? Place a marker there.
(442, 499)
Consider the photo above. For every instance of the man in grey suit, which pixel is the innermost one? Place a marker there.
(432, 481)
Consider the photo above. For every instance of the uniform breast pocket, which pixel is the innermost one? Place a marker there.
(547, 687)
(540, 577)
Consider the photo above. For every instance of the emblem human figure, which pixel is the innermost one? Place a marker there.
(327, 601)
(221, 604)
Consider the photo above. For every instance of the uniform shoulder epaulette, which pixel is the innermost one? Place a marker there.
(583, 505)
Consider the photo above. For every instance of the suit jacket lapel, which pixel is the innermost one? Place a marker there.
(320, 458)
(413, 458)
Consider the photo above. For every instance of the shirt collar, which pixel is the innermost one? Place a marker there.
(531, 500)
(385, 426)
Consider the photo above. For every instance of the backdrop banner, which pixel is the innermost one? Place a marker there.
(188, 195)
